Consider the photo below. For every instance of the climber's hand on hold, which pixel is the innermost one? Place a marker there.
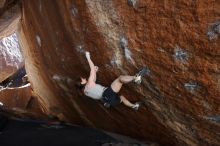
(96, 68)
(87, 55)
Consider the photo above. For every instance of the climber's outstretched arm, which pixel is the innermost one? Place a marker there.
(93, 69)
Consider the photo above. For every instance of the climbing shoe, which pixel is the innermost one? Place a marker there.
(136, 106)
(139, 75)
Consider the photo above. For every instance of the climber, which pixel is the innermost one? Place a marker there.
(108, 95)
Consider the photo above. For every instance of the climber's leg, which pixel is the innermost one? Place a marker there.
(129, 104)
(123, 79)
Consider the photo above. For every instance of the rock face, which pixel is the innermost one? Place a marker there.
(11, 58)
(178, 41)
(10, 13)
(20, 101)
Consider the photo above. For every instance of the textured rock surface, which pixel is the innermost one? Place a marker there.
(20, 101)
(10, 13)
(177, 40)
(11, 58)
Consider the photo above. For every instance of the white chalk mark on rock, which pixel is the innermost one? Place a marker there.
(132, 3)
(74, 11)
(105, 15)
(63, 82)
(180, 54)
(38, 40)
(124, 45)
(191, 86)
(80, 49)
(40, 6)
(115, 62)
(214, 31)
(124, 42)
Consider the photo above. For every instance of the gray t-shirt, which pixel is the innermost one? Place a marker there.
(95, 92)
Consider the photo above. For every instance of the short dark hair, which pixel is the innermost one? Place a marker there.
(79, 85)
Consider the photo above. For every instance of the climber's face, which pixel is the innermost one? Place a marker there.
(83, 81)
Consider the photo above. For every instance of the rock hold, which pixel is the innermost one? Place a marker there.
(214, 31)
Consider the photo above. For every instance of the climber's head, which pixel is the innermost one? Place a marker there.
(81, 83)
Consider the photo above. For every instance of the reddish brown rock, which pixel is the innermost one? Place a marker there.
(10, 56)
(10, 15)
(21, 101)
(177, 40)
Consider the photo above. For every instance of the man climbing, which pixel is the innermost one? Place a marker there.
(108, 95)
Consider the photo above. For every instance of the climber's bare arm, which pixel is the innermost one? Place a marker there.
(93, 69)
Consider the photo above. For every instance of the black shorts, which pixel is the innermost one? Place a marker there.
(110, 97)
